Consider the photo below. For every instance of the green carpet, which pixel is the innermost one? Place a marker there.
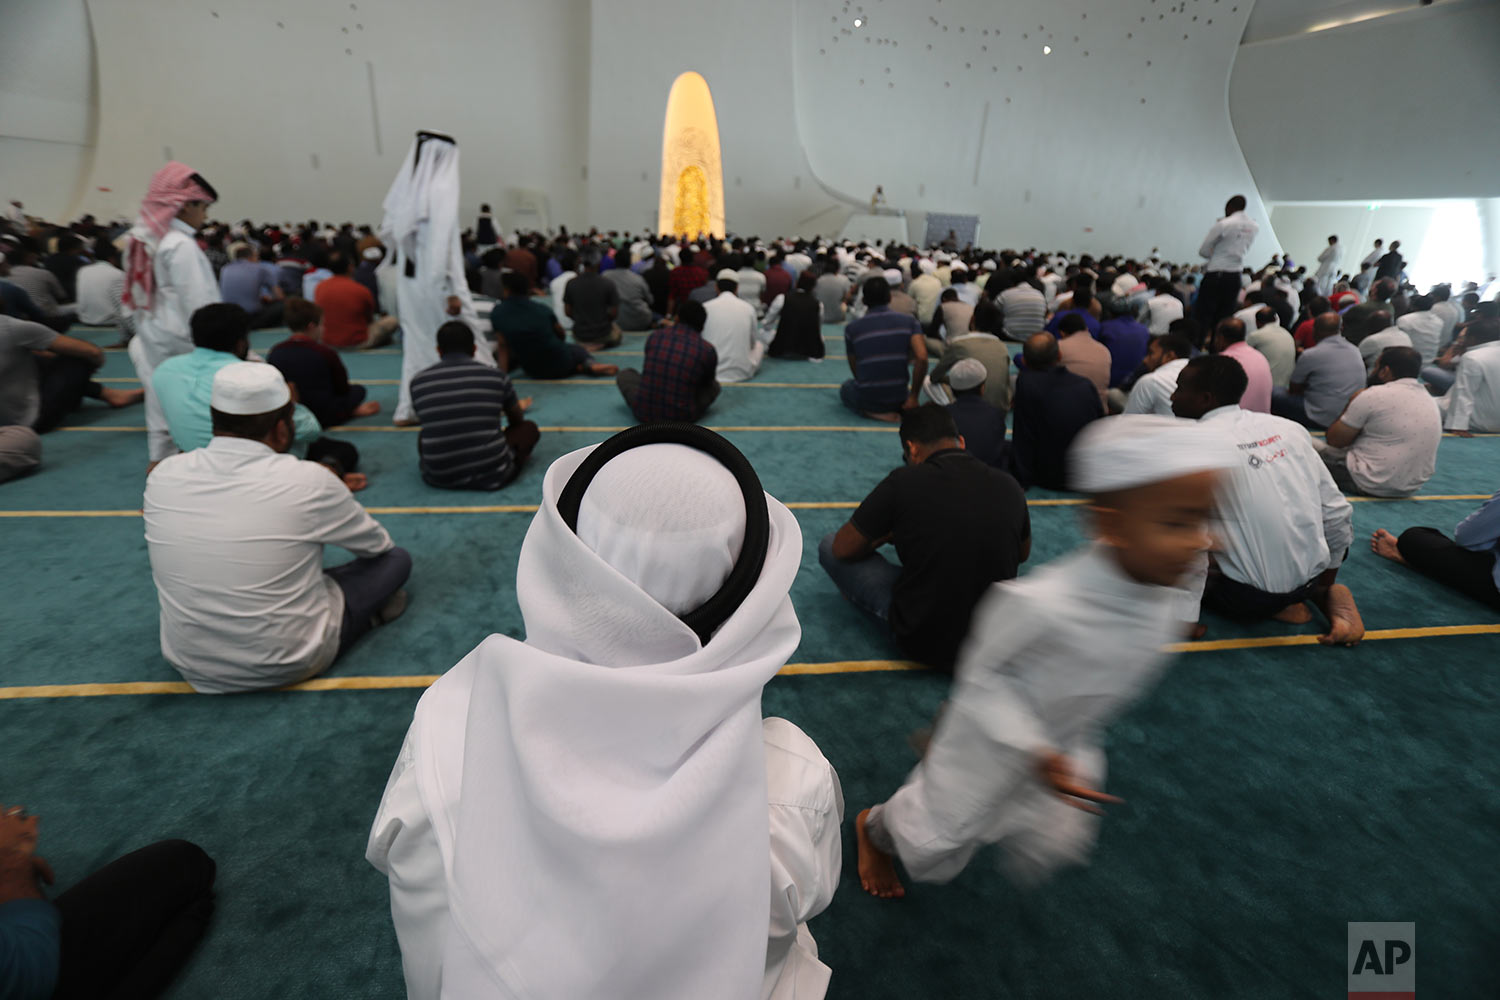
(1273, 794)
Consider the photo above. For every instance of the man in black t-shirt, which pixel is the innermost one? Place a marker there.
(958, 526)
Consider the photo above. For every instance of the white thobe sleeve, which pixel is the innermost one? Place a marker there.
(403, 847)
(1209, 241)
(336, 518)
(1461, 396)
(806, 815)
(189, 271)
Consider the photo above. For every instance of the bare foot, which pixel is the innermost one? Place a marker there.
(603, 369)
(526, 403)
(122, 397)
(1383, 544)
(367, 409)
(1197, 630)
(408, 422)
(889, 418)
(877, 871)
(1345, 625)
(356, 481)
(1294, 614)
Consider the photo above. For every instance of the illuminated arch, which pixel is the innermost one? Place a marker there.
(692, 175)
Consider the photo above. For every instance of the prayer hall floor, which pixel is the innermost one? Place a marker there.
(1275, 790)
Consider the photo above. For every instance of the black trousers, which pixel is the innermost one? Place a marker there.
(1435, 555)
(128, 928)
(63, 383)
(1218, 296)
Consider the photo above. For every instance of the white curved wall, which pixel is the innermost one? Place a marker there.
(271, 100)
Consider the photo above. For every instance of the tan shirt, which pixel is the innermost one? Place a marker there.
(1083, 355)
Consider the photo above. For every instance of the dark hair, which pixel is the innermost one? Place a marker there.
(300, 314)
(1378, 321)
(220, 326)
(1482, 331)
(949, 294)
(1404, 362)
(927, 424)
(455, 336)
(1441, 293)
(1383, 289)
(691, 313)
(1224, 379)
(1421, 303)
(877, 291)
(806, 281)
(494, 258)
(728, 285)
(1235, 204)
(1188, 329)
(515, 283)
(1231, 329)
(1072, 322)
(255, 426)
(1180, 346)
(1319, 306)
(340, 262)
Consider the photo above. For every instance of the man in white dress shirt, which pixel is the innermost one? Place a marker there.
(167, 279)
(600, 810)
(1284, 528)
(1162, 308)
(1272, 339)
(1328, 266)
(1426, 326)
(1016, 759)
(1473, 404)
(235, 532)
(1224, 247)
(734, 331)
(1165, 357)
(101, 286)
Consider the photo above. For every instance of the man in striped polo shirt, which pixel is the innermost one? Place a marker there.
(879, 345)
(460, 402)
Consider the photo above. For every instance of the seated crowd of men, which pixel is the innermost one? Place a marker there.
(1113, 379)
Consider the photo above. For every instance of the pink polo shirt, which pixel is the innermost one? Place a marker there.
(1258, 393)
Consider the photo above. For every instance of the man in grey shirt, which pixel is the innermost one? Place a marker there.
(1324, 379)
(635, 299)
(45, 289)
(831, 290)
(37, 391)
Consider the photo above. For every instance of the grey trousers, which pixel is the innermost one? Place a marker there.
(20, 451)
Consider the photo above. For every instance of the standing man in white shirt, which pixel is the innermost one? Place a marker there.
(235, 533)
(1284, 527)
(1473, 404)
(1328, 266)
(1165, 358)
(733, 330)
(1385, 442)
(1224, 247)
(167, 279)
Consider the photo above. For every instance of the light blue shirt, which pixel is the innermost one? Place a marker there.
(1480, 532)
(184, 386)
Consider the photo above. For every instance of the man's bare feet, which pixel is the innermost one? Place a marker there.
(408, 422)
(1294, 614)
(600, 370)
(367, 409)
(356, 481)
(877, 870)
(1345, 625)
(1383, 544)
(527, 403)
(889, 418)
(122, 397)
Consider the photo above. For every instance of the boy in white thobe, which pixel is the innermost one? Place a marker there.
(167, 279)
(592, 813)
(1051, 658)
(421, 228)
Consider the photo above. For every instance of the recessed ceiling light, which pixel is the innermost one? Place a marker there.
(1046, 50)
(859, 22)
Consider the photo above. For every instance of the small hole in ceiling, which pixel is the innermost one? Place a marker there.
(280, 25)
(348, 52)
(345, 30)
(214, 13)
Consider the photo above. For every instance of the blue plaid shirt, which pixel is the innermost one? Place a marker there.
(679, 362)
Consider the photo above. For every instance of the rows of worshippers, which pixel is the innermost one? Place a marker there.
(1117, 391)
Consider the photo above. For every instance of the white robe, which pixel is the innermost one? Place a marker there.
(1328, 268)
(421, 228)
(1050, 660)
(184, 284)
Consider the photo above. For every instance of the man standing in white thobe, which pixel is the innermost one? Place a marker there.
(1328, 266)
(593, 812)
(167, 279)
(421, 229)
(1016, 759)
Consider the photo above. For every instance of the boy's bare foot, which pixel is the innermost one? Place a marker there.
(122, 397)
(1294, 614)
(877, 870)
(1345, 626)
(598, 370)
(367, 409)
(526, 403)
(1383, 544)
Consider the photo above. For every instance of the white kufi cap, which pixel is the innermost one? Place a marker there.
(1131, 450)
(968, 373)
(246, 388)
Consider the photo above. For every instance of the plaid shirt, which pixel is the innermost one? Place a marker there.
(684, 280)
(678, 363)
